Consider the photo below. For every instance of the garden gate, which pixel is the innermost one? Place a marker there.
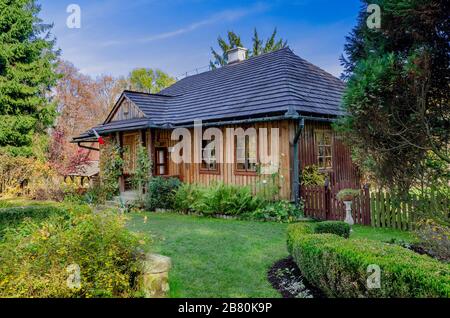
(321, 203)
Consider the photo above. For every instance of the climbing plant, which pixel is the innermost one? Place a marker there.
(111, 164)
(142, 173)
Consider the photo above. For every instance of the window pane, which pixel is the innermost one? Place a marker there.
(328, 162)
(162, 170)
(327, 138)
(321, 162)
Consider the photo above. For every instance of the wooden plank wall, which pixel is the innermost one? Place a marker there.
(127, 110)
(343, 168)
(190, 172)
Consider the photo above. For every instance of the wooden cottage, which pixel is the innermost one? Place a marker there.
(274, 90)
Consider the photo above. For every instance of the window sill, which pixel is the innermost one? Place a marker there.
(246, 173)
(211, 172)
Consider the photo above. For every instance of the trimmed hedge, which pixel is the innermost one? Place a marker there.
(339, 266)
(333, 227)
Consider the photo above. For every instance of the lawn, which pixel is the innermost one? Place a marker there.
(224, 258)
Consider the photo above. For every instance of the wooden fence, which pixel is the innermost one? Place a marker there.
(321, 203)
(378, 209)
(392, 212)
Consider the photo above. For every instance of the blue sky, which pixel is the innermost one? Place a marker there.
(176, 35)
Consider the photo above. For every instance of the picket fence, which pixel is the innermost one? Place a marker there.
(378, 209)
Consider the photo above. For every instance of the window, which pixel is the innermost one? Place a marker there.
(209, 157)
(246, 154)
(161, 166)
(324, 146)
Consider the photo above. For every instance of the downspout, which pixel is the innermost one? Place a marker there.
(297, 163)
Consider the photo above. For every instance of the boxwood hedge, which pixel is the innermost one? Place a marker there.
(333, 227)
(339, 267)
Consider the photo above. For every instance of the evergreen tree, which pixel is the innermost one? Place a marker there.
(259, 47)
(397, 97)
(27, 73)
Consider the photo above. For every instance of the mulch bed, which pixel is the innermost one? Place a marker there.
(286, 277)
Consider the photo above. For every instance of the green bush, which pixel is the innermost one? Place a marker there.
(434, 239)
(186, 196)
(161, 193)
(333, 227)
(339, 267)
(37, 256)
(280, 211)
(12, 217)
(218, 198)
(312, 176)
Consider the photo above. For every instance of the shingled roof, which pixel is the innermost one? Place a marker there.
(265, 85)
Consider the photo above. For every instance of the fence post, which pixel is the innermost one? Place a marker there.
(367, 212)
(327, 200)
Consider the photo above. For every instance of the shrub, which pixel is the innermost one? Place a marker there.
(14, 216)
(186, 196)
(333, 227)
(161, 193)
(218, 198)
(312, 176)
(434, 239)
(339, 267)
(281, 211)
(37, 256)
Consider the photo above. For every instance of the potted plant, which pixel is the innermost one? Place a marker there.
(347, 196)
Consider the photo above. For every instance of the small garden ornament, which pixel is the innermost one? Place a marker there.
(347, 196)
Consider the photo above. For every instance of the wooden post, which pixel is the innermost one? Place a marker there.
(366, 205)
(119, 140)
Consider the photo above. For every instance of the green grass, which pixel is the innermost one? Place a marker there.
(215, 258)
(380, 234)
(225, 258)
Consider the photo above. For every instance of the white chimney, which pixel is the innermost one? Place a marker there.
(237, 54)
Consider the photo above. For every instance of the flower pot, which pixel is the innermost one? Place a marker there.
(347, 198)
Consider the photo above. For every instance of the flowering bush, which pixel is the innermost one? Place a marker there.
(68, 253)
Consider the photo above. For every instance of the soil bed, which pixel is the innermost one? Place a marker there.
(286, 277)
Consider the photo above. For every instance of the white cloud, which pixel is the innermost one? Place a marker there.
(224, 16)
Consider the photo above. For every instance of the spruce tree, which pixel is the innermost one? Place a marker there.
(27, 73)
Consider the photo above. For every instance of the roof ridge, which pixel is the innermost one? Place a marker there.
(148, 94)
(227, 66)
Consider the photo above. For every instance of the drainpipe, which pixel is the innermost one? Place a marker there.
(297, 163)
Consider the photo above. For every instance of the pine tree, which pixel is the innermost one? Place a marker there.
(27, 73)
(234, 40)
